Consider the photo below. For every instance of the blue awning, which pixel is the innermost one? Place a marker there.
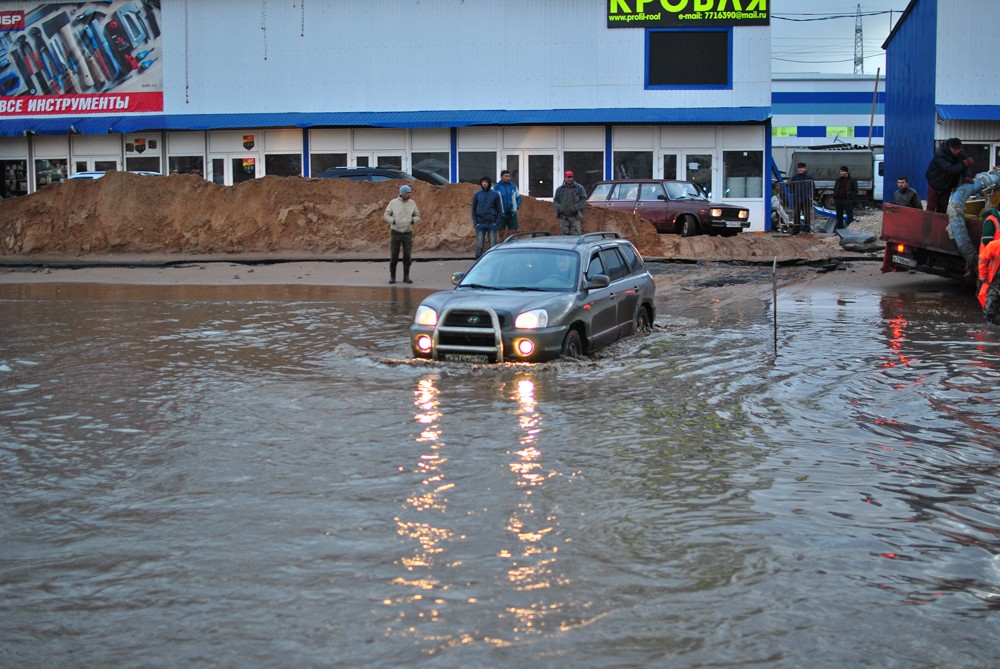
(102, 125)
(968, 112)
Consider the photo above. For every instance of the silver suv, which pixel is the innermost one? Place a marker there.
(535, 297)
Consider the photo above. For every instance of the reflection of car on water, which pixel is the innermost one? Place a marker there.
(535, 297)
(671, 206)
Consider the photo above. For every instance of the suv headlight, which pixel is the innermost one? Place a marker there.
(532, 320)
(426, 316)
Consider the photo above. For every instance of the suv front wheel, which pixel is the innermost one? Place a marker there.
(689, 226)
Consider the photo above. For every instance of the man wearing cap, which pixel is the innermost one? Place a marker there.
(569, 201)
(946, 171)
(486, 211)
(401, 214)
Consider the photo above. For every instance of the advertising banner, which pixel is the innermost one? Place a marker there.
(80, 58)
(686, 13)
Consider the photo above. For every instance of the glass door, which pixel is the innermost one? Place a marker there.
(230, 169)
(387, 160)
(541, 173)
(698, 168)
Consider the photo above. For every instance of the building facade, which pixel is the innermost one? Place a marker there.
(938, 88)
(235, 90)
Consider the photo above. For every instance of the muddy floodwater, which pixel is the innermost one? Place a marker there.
(258, 477)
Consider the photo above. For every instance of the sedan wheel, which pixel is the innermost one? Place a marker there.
(689, 227)
(572, 345)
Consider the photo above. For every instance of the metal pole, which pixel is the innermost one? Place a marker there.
(774, 301)
(871, 123)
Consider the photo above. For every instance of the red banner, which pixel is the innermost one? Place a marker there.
(98, 104)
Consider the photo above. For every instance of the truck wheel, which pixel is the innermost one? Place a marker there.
(689, 227)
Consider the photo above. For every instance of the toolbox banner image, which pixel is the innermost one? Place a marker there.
(80, 58)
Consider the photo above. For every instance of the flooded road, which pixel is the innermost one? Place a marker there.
(256, 476)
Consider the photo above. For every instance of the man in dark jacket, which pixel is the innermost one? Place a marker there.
(486, 213)
(800, 187)
(845, 190)
(947, 169)
(569, 202)
(906, 196)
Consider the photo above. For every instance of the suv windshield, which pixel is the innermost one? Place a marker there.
(525, 269)
(679, 190)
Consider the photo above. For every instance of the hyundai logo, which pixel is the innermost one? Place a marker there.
(473, 319)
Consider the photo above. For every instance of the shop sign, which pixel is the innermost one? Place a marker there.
(686, 13)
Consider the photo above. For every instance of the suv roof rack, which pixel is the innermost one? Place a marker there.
(527, 235)
(607, 234)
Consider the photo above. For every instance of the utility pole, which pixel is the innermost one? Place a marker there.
(859, 46)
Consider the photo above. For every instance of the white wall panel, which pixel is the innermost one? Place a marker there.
(478, 138)
(283, 140)
(190, 143)
(96, 145)
(583, 138)
(546, 137)
(627, 137)
(50, 146)
(961, 25)
(231, 141)
(379, 139)
(13, 148)
(343, 55)
(683, 137)
(430, 139)
(329, 140)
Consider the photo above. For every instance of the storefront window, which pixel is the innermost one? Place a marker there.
(633, 165)
(146, 164)
(473, 165)
(318, 162)
(743, 174)
(699, 170)
(283, 164)
(587, 167)
(187, 165)
(49, 172)
(15, 177)
(431, 167)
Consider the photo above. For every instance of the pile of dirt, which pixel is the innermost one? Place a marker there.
(124, 213)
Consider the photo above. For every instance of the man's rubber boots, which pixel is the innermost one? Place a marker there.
(392, 273)
(406, 273)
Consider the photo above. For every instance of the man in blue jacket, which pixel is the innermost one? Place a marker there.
(510, 202)
(485, 214)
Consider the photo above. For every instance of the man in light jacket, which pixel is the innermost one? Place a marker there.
(401, 214)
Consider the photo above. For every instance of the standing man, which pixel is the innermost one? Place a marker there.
(569, 201)
(845, 190)
(906, 196)
(510, 202)
(801, 187)
(485, 214)
(946, 171)
(401, 214)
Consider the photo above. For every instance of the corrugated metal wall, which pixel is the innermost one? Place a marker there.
(343, 55)
(909, 109)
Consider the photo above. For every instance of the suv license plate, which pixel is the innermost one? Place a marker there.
(904, 261)
(733, 224)
(466, 357)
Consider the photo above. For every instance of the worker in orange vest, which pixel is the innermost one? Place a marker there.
(989, 266)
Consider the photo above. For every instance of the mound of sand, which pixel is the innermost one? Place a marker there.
(124, 213)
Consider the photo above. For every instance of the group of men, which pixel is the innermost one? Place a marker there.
(494, 210)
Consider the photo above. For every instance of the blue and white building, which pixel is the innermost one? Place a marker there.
(941, 82)
(236, 90)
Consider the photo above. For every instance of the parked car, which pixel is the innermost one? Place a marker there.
(671, 206)
(535, 297)
(379, 174)
(98, 175)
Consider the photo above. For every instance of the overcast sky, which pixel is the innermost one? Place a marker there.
(816, 41)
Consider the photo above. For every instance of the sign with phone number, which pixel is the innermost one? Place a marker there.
(686, 13)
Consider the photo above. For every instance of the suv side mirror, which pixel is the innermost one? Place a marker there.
(661, 196)
(599, 281)
(456, 277)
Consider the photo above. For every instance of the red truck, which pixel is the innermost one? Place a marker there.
(919, 240)
(942, 244)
